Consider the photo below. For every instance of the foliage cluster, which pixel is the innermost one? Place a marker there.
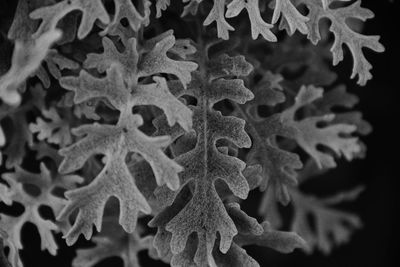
(117, 110)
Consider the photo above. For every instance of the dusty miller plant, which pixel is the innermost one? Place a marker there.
(116, 110)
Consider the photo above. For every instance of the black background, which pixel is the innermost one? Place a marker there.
(377, 243)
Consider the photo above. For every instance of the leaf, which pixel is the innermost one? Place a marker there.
(12, 254)
(55, 63)
(278, 166)
(3, 258)
(284, 242)
(316, 219)
(115, 179)
(153, 62)
(27, 57)
(22, 26)
(158, 94)
(205, 214)
(258, 25)
(15, 192)
(250, 233)
(162, 239)
(113, 242)
(124, 9)
(15, 149)
(123, 90)
(217, 14)
(225, 65)
(161, 5)
(183, 48)
(300, 63)
(309, 134)
(339, 97)
(44, 150)
(157, 61)
(51, 15)
(214, 216)
(126, 61)
(88, 87)
(18, 134)
(86, 109)
(191, 8)
(343, 33)
(332, 226)
(57, 131)
(294, 19)
(235, 256)
(115, 142)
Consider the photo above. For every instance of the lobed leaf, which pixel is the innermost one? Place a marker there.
(284, 242)
(278, 166)
(158, 94)
(309, 134)
(217, 14)
(115, 179)
(51, 15)
(294, 19)
(205, 214)
(15, 148)
(258, 25)
(126, 61)
(124, 9)
(161, 5)
(16, 192)
(157, 61)
(57, 131)
(27, 57)
(3, 258)
(332, 226)
(343, 33)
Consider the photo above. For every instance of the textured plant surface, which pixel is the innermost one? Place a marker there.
(153, 121)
